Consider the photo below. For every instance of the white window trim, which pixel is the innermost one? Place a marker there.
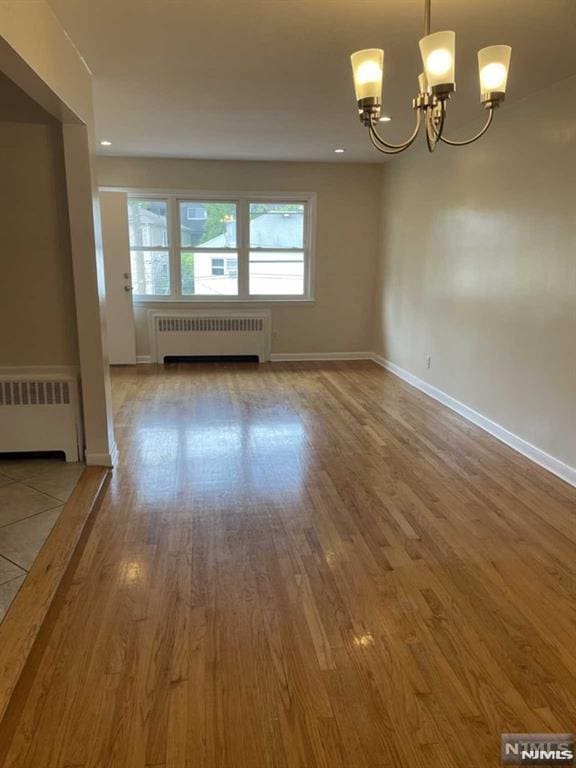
(174, 197)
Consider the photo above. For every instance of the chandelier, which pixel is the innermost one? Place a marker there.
(435, 86)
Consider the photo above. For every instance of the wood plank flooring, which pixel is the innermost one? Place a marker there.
(305, 566)
(21, 625)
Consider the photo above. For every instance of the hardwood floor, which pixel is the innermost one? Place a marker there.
(22, 624)
(304, 566)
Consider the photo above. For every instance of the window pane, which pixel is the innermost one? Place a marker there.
(279, 273)
(209, 274)
(277, 225)
(150, 273)
(210, 225)
(148, 223)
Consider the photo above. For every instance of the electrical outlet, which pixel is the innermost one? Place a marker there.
(428, 361)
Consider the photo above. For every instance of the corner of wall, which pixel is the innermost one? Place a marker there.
(376, 330)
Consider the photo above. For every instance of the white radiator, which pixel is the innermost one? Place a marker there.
(209, 334)
(40, 412)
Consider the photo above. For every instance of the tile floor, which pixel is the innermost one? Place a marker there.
(32, 494)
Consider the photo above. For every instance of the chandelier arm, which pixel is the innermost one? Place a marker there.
(474, 138)
(380, 148)
(395, 148)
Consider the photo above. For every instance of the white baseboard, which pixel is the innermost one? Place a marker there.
(285, 357)
(102, 459)
(545, 460)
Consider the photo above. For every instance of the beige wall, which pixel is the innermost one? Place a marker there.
(346, 241)
(38, 55)
(478, 270)
(37, 312)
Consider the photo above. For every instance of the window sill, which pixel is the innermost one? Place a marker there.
(192, 301)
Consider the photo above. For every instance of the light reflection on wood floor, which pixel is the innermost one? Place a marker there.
(305, 565)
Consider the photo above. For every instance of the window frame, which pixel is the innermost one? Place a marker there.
(225, 251)
(258, 249)
(163, 248)
(242, 201)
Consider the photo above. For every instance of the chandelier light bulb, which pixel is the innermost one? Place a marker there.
(368, 70)
(493, 76)
(439, 62)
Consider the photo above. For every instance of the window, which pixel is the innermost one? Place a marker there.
(231, 267)
(244, 248)
(214, 239)
(195, 212)
(218, 267)
(277, 249)
(224, 267)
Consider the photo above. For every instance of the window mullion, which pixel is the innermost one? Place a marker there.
(308, 249)
(175, 248)
(243, 233)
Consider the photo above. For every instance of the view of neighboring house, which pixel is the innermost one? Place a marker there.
(193, 217)
(272, 272)
(210, 267)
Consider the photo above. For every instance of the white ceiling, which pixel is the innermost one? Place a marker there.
(270, 79)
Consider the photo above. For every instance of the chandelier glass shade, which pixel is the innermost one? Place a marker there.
(435, 86)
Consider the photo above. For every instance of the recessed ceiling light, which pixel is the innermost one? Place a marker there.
(385, 119)
(340, 150)
(105, 143)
